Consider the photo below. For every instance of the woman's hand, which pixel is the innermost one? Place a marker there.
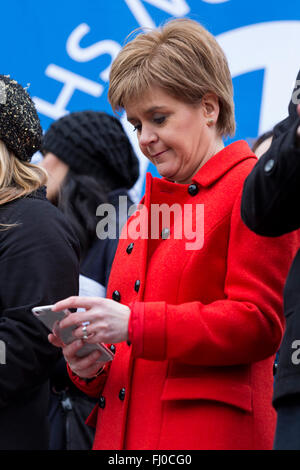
(106, 321)
(86, 367)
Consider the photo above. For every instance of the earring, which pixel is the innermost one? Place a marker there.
(210, 122)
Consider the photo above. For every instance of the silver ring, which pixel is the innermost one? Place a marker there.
(84, 331)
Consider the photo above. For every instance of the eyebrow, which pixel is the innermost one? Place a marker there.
(147, 111)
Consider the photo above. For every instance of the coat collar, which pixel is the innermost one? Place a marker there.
(213, 169)
(209, 173)
(222, 162)
(39, 193)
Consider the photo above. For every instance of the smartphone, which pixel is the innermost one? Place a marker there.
(51, 320)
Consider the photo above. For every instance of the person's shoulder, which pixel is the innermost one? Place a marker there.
(38, 210)
(38, 218)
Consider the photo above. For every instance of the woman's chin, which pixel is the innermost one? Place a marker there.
(167, 176)
(165, 173)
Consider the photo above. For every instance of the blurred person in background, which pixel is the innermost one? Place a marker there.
(90, 161)
(195, 317)
(39, 263)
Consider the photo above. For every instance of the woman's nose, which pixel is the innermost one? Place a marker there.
(147, 136)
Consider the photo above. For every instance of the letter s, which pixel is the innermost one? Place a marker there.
(88, 53)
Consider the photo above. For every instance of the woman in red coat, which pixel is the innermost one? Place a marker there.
(193, 308)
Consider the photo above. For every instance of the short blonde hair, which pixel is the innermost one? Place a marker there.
(18, 178)
(183, 59)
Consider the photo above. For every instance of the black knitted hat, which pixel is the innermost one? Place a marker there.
(94, 143)
(20, 127)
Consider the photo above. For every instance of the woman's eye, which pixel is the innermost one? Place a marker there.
(156, 120)
(159, 119)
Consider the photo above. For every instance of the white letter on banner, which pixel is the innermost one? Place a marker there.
(72, 82)
(173, 7)
(89, 53)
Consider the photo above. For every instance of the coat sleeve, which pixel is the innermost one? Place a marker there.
(39, 265)
(272, 188)
(92, 387)
(245, 326)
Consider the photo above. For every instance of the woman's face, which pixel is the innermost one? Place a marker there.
(178, 138)
(57, 171)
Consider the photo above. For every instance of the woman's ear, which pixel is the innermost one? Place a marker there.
(210, 108)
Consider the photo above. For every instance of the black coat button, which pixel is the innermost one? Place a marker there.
(116, 296)
(193, 189)
(113, 348)
(102, 402)
(130, 248)
(122, 394)
(137, 285)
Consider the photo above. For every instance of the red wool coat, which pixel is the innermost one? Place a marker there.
(205, 324)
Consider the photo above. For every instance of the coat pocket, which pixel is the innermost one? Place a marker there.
(208, 388)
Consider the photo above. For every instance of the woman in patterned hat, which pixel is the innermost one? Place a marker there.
(39, 263)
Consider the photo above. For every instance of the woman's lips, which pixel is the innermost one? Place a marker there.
(159, 153)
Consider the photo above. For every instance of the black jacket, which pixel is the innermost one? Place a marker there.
(272, 189)
(270, 207)
(39, 265)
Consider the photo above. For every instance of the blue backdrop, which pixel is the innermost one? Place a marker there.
(64, 49)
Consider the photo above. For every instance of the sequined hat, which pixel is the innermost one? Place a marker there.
(20, 127)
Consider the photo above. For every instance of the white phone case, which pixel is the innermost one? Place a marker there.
(51, 320)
